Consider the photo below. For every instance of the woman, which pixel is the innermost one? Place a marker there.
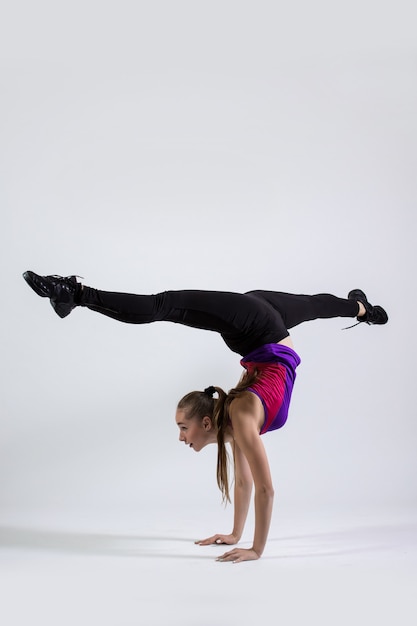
(254, 325)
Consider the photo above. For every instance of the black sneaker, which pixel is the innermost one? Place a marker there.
(374, 314)
(61, 291)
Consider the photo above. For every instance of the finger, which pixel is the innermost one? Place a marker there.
(225, 559)
(231, 558)
(209, 541)
(228, 556)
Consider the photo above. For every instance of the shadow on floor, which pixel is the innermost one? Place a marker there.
(91, 543)
(321, 544)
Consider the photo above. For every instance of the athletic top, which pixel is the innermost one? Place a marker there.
(276, 364)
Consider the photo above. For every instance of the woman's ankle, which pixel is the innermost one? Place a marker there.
(362, 309)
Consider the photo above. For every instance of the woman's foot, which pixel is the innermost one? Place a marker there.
(369, 314)
(62, 292)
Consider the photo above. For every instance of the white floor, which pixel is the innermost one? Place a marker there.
(328, 569)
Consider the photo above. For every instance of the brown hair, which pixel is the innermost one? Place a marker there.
(200, 403)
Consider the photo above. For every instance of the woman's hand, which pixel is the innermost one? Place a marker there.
(218, 539)
(237, 555)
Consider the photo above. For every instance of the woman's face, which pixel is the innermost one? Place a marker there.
(195, 432)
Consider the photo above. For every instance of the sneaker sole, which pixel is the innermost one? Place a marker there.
(383, 313)
(62, 310)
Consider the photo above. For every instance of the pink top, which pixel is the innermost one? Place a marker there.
(276, 364)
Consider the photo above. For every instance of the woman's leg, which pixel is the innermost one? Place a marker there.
(244, 322)
(295, 309)
(209, 310)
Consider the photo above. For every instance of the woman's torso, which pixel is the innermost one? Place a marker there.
(276, 365)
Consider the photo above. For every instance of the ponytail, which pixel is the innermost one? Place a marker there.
(201, 403)
(221, 419)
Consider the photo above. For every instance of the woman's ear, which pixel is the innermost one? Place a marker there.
(207, 423)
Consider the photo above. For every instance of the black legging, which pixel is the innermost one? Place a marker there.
(245, 321)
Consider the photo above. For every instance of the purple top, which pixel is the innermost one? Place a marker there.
(276, 364)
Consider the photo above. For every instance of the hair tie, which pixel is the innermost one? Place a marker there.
(209, 391)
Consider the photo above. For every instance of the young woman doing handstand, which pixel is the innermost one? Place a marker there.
(254, 325)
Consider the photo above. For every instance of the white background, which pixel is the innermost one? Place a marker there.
(205, 145)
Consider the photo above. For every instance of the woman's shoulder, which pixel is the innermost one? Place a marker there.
(243, 398)
(247, 404)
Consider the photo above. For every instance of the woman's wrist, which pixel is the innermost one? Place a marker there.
(257, 550)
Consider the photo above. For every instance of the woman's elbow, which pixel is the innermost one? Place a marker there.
(266, 491)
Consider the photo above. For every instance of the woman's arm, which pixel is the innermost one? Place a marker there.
(241, 501)
(242, 490)
(246, 435)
